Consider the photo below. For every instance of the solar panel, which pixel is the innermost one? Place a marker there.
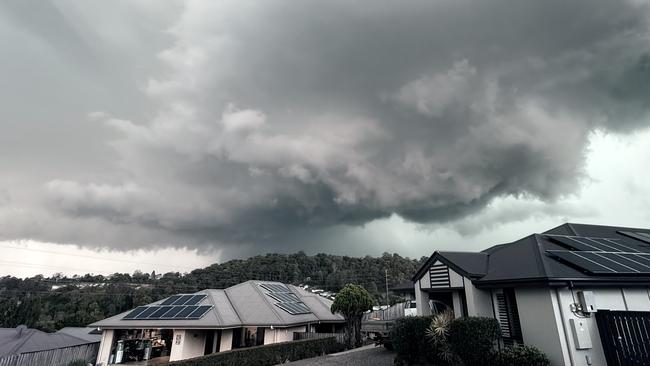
(273, 287)
(183, 299)
(604, 263)
(159, 313)
(284, 297)
(170, 300)
(148, 311)
(593, 244)
(644, 237)
(199, 312)
(294, 308)
(135, 312)
(173, 311)
(185, 312)
(195, 300)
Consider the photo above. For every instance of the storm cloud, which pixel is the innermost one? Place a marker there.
(264, 123)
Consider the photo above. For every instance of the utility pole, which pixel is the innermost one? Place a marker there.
(387, 303)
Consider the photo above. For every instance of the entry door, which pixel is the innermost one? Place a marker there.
(625, 336)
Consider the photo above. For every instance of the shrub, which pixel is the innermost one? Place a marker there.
(473, 339)
(408, 337)
(522, 355)
(438, 335)
(267, 355)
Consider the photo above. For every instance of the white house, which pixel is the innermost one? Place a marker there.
(191, 325)
(580, 293)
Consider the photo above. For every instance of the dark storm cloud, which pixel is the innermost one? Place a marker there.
(274, 121)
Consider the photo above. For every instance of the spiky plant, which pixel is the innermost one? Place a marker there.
(437, 334)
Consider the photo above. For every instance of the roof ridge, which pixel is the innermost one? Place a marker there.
(272, 306)
(540, 261)
(234, 308)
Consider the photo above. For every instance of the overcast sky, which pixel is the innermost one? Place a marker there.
(170, 135)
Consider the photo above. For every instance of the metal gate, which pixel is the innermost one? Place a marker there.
(625, 336)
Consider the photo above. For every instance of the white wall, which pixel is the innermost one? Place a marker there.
(105, 347)
(541, 325)
(226, 340)
(479, 302)
(192, 344)
(277, 335)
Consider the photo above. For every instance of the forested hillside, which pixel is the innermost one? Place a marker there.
(50, 303)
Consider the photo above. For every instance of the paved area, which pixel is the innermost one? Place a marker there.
(364, 356)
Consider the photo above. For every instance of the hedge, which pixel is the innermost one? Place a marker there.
(473, 339)
(408, 338)
(522, 355)
(267, 355)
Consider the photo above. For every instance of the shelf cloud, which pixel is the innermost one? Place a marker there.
(263, 123)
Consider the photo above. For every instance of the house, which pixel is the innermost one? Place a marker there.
(578, 292)
(190, 325)
(24, 346)
(403, 290)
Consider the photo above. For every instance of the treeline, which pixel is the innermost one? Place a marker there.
(51, 303)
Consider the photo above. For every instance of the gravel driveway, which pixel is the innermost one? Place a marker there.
(364, 356)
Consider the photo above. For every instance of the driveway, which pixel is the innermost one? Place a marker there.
(364, 356)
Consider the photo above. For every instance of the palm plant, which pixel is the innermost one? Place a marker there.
(437, 333)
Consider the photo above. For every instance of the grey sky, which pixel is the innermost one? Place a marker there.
(237, 127)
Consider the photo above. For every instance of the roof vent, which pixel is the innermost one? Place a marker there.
(20, 330)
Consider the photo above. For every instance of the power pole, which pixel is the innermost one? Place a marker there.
(387, 302)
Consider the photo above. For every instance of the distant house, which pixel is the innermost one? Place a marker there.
(190, 325)
(22, 346)
(404, 290)
(578, 292)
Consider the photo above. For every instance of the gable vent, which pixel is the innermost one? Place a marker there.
(439, 275)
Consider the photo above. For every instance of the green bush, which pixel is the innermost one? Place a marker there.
(267, 355)
(408, 337)
(473, 339)
(522, 355)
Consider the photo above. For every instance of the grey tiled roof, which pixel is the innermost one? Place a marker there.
(24, 340)
(244, 304)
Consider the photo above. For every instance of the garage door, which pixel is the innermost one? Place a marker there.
(625, 336)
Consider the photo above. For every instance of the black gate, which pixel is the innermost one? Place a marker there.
(625, 336)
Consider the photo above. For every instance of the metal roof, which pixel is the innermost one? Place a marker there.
(245, 304)
(527, 260)
(24, 340)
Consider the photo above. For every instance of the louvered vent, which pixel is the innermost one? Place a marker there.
(439, 275)
(509, 317)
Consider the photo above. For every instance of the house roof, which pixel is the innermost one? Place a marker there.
(527, 260)
(89, 334)
(25, 340)
(245, 304)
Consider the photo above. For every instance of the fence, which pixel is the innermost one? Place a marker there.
(53, 357)
(297, 336)
(393, 312)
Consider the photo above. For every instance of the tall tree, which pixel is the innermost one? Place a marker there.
(351, 302)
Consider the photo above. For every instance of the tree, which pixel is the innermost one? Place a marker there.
(351, 302)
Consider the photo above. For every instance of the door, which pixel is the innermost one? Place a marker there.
(625, 336)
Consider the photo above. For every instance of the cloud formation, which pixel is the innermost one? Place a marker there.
(267, 122)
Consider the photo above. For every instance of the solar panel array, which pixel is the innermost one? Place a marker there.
(286, 300)
(176, 307)
(602, 256)
(644, 237)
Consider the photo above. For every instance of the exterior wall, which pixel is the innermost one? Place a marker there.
(277, 335)
(541, 325)
(479, 302)
(105, 347)
(458, 304)
(422, 300)
(191, 344)
(614, 299)
(226, 340)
